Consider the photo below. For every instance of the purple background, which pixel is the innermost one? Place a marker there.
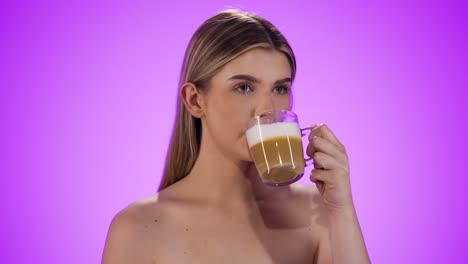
(88, 102)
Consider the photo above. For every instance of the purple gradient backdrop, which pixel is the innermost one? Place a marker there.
(88, 102)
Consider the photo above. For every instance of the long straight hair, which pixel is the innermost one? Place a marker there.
(219, 40)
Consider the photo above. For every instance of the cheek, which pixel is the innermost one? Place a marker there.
(283, 102)
(233, 110)
(230, 119)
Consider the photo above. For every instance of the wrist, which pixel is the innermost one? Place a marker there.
(345, 211)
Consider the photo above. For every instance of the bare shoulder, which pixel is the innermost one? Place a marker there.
(306, 192)
(310, 196)
(139, 213)
(133, 232)
(318, 219)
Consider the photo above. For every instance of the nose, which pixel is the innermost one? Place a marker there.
(266, 103)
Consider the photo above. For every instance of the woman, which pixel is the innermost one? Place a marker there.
(212, 206)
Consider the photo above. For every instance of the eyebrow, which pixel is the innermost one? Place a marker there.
(250, 78)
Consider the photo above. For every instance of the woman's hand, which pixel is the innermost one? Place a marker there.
(331, 168)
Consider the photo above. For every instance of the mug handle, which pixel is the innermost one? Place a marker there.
(306, 132)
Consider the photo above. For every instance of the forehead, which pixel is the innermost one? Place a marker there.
(264, 64)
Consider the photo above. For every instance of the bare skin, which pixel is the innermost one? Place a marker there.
(221, 212)
(174, 228)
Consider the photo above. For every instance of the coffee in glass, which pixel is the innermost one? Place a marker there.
(275, 142)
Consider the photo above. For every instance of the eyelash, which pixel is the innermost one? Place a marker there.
(237, 88)
(241, 85)
(285, 88)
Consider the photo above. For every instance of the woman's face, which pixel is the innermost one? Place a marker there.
(257, 81)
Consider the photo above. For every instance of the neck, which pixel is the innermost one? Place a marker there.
(222, 181)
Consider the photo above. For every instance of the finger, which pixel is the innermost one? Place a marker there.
(322, 145)
(324, 161)
(318, 176)
(310, 149)
(314, 131)
(328, 134)
(320, 186)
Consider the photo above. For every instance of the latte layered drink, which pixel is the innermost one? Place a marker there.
(277, 151)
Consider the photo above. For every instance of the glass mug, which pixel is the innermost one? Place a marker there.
(275, 143)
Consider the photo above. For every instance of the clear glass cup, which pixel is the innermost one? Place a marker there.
(275, 143)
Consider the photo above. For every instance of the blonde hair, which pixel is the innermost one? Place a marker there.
(219, 40)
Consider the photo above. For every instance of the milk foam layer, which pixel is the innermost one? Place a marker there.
(258, 133)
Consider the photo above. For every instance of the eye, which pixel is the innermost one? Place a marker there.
(281, 90)
(244, 88)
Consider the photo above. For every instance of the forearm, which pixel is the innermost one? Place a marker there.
(347, 242)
